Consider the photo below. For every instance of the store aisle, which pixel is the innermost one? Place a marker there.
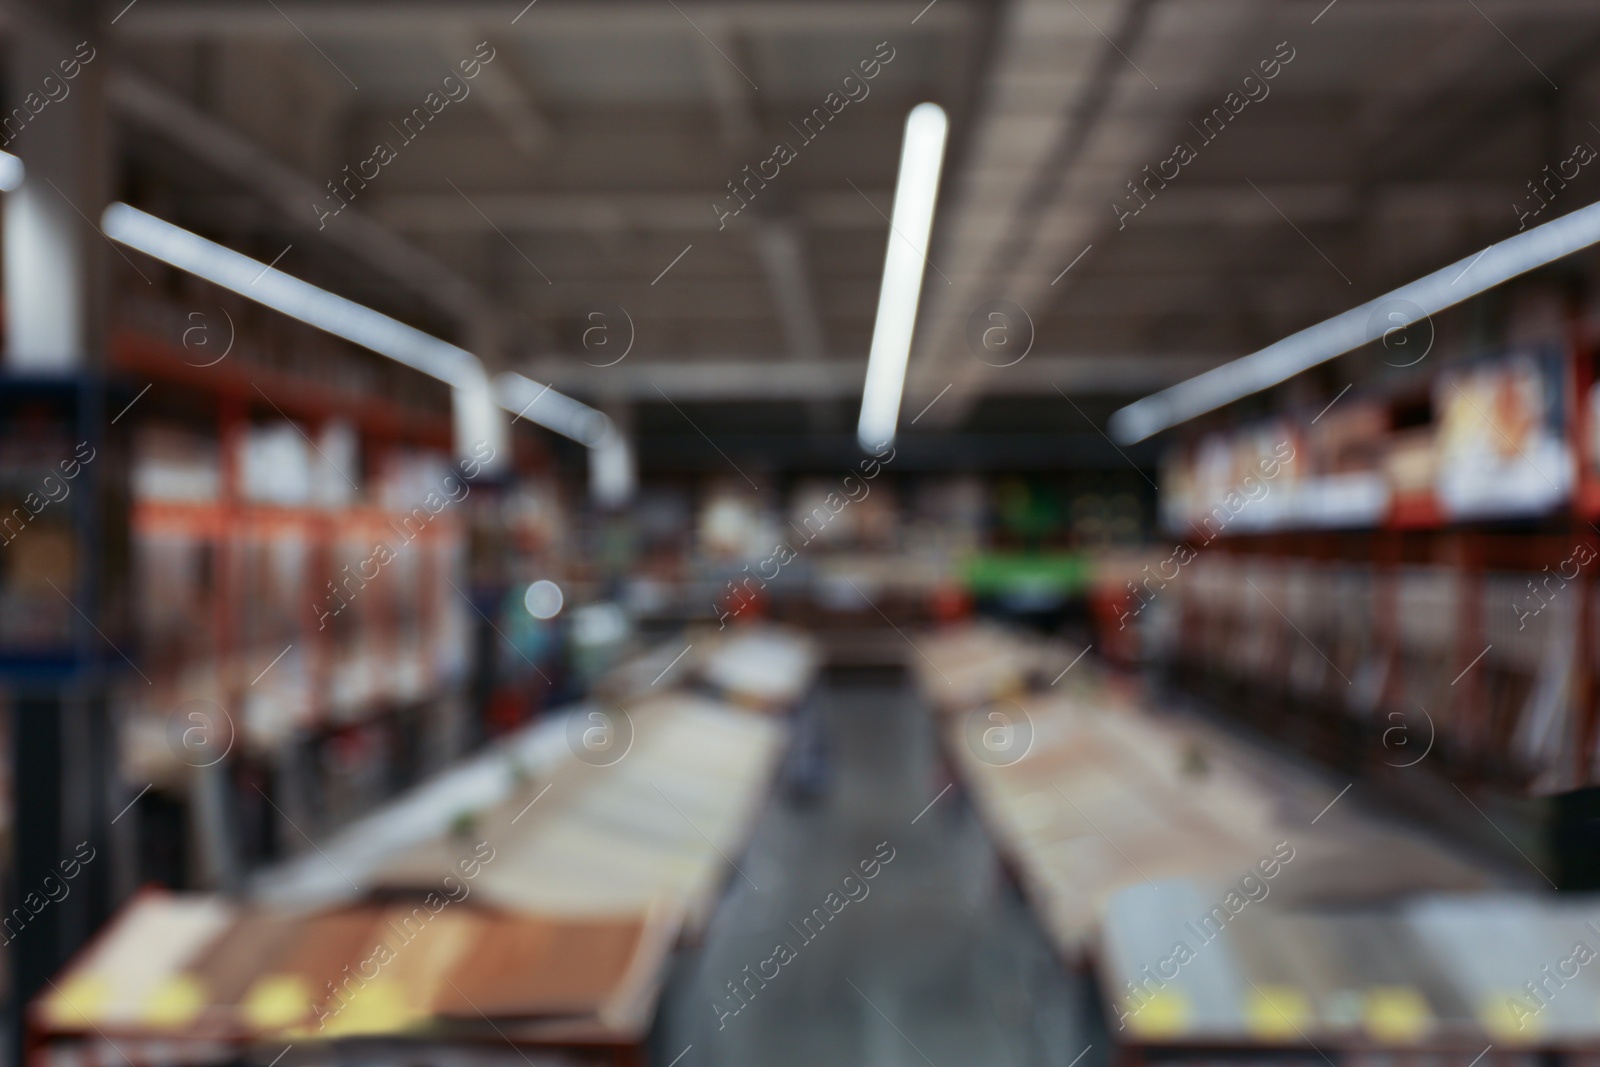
(935, 962)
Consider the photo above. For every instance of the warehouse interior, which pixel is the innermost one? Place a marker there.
(698, 533)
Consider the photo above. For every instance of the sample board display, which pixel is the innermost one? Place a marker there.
(526, 900)
(203, 969)
(1440, 971)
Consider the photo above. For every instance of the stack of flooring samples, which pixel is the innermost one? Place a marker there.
(961, 666)
(1186, 966)
(652, 821)
(196, 971)
(764, 667)
(1087, 801)
(527, 900)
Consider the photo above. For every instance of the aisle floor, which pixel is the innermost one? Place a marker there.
(938, 964)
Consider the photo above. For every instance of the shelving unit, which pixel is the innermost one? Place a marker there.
(1412, 596)
(63, 599)
(327, 674)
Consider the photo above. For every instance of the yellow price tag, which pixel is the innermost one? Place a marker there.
(1276, 1012)
(276, 1001)
(1164, 1013)
(1396, 1014)
(1508, 1016)
(175, 1003)
(378, 1007)
(79, 1001)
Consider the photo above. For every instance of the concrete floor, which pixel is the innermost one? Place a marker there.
(939, 964)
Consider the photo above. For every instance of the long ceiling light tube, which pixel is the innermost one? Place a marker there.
(916, 191)
(11, 172)
(554, 411)
(356, 323)
(298, 299)
(1360, 325)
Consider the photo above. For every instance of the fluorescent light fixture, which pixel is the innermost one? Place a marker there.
(1361, 325)
(916, 190)
(298, 299)
(555, 411)
(11, 172)
(613, 474)
(477, 420)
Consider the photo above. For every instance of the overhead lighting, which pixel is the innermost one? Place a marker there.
(476, 418)
(916, 190)
(555, 411)
(11, 172)
(298, 299)
(357, 323)
(1361, 325)
(613, 474)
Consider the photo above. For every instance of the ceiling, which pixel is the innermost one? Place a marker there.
(565, 211)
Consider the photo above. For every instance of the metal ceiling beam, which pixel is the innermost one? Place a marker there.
(1115, 120)
(772, 377)
(1212, 203)
(943, 453)
(404, 18)
(1391, 11)
(992, 254)
(447, 212)
(782, 252)
(783, 258)
(219, 147)
(508, 100)
(730, 91)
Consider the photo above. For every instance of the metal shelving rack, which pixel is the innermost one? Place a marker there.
(374, 687)
(1380, 679)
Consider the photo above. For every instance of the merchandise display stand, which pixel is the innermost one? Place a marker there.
(1454, 590)
(1433, 978)
(329, 674)
(551, 876)
(1131, 833)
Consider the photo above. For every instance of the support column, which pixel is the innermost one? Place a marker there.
(52, 245)
(56, 682)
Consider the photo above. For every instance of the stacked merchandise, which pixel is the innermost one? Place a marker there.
(765, 667)
(1224, 902)
(1100, 798)
(292, 568)
(1406, 607)
(201, 978)
(526, 900)
(758, 666)
(852, 547)
(961, 667)
(1487, 663)
(653, 800)
(1448, 975)
(296, 530)
(307, 627)
(41, 466)
(1494, 441)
